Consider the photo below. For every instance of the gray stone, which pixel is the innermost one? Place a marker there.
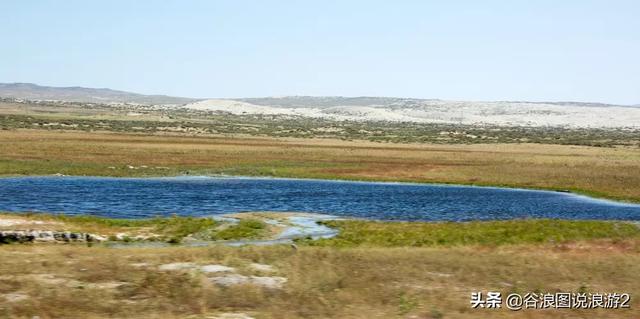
(235, 279)
(178, 266)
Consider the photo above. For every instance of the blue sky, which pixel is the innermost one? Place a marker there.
(471, 50)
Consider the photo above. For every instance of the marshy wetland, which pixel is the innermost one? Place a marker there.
(368, 268)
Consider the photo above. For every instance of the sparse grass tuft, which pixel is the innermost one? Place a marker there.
(244, 229)
(179, 227)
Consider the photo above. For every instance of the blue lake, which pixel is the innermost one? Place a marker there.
(198, 196)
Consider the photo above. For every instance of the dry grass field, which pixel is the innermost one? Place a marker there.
(74, 281)
(605, 172)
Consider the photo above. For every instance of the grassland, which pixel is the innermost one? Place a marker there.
(605, 172)
(322, 282)
(359, 233)
(372, 270)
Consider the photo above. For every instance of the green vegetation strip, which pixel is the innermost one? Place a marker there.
(356, 233)
(171, 229)
(417, 234)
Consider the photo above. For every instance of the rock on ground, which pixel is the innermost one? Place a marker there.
(216, 268)
(177, 266)
(261, 267)
(235, 279)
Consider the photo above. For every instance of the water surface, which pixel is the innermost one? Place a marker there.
(200, 196)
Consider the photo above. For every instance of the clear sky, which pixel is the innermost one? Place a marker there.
(577, 50)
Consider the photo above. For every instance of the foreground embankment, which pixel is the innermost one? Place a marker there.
(369, 270)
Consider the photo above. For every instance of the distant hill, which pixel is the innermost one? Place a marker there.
(389, 102)
(31, 91)
(331, 101)
(363, 108)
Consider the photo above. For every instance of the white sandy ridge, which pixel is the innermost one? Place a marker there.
(452, 112)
